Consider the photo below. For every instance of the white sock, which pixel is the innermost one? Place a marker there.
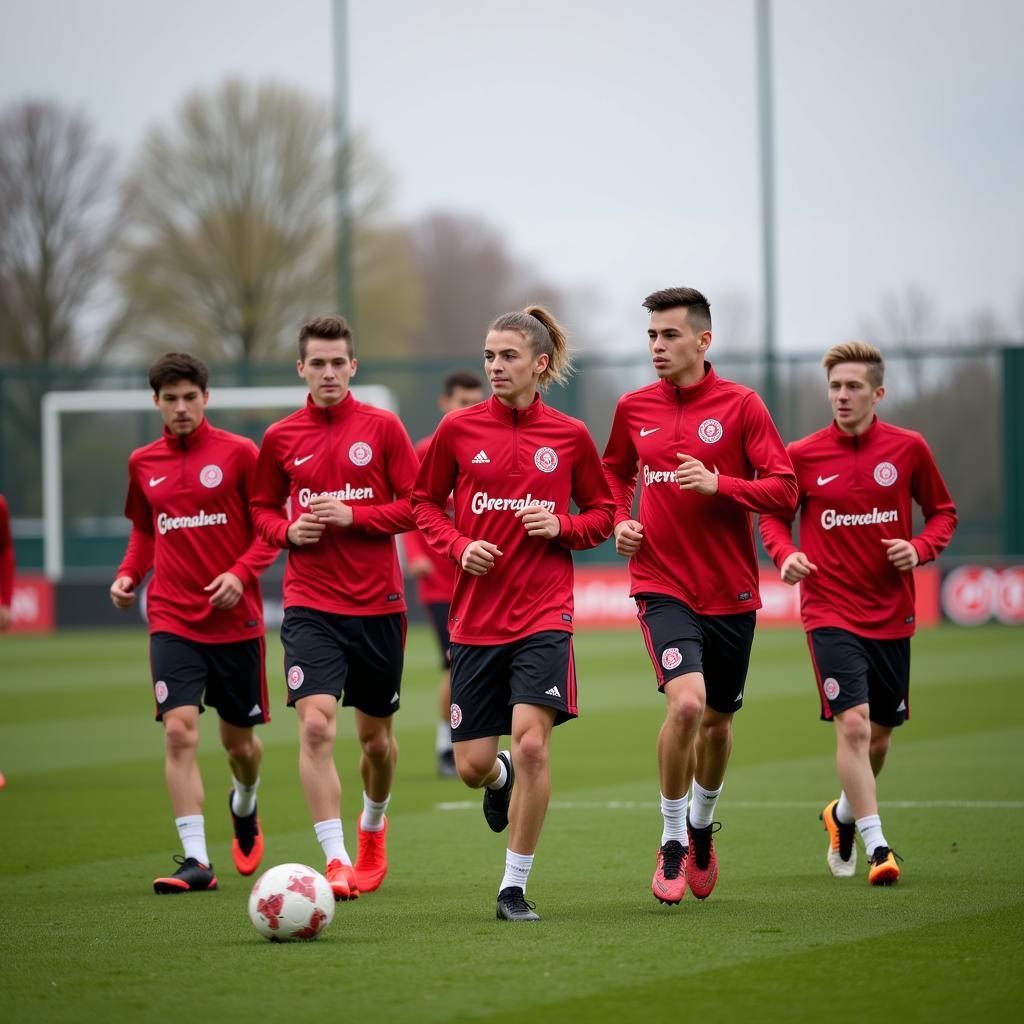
(443, 743)
(373, 813)
(192, 832)
(870, 829)
(517, 870)
(502, 775)
(702, 804)
(844, 810)
(331, 837)
(673, 812)
(243, 799)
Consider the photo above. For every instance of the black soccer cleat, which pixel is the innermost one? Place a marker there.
(496, 801)
(191, 876)
(514, 906)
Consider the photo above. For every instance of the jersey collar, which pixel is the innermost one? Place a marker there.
(518, 416)
(694, 391)
(855, 440)
(193, 440)
(331, 413)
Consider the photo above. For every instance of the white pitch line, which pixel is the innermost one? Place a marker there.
(750, 805)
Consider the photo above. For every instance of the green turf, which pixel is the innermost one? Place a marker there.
(85, 825)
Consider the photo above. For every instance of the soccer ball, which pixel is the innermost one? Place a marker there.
(289, 902)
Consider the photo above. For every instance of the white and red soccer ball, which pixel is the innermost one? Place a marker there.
(291, 902)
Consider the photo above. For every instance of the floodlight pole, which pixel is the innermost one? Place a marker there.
(342, 160)
(764, 93)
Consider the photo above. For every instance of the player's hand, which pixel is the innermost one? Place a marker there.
(629, 534)
(693, 475)
(539, 522)
(331, 511)
(797, 567)
(420, 567)
(478, 558)
(227, 590)
(307, 529)
(901, 553)
(122, 592)
(5, 617)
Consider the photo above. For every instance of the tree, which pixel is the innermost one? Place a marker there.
(59, 213)
(232, 240)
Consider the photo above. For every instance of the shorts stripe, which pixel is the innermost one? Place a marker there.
(570, 683)
(641, 611)
(826, 710)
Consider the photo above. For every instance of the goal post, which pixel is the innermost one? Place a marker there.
(57, 403)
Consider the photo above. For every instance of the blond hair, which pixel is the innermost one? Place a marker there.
(545, 335)
(857, 352)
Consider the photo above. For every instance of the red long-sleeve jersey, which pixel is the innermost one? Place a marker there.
(697, 549)
(362, 456)
(496, 460)
(188, 502)
(856, 490)
(438, 585)
(6, 555)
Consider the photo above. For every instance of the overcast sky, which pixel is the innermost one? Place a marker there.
(616, 144)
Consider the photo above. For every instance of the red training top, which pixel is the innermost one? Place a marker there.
(855, 490)
(436, 586)
(188, 501)
(498, 460)
(697, 549)
(6, 555)
(361, 455)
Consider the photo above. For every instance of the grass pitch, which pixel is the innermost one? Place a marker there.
(85, 825)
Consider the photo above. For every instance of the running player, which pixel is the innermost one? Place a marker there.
(435, 574)
(708, 455)
(513, 464)
(347, 469)
(858, 480)
(188, 502)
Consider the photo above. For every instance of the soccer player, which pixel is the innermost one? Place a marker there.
(347, 469)
(512, 464)
(707, 455)
(188, 502)
(435, 573)
(858, 479)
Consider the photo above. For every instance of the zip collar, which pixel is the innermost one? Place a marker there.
(693, 391)
(196, 439)
(508, 415)
(841, 437)
(331, 413)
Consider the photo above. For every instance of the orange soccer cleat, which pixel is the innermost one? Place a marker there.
(342, 880)
(669, 882)
(372, 858)
(882, 867)
(247, 843)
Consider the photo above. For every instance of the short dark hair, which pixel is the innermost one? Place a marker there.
(465, 379)
(175, 366)
(698, 309)
(330, 328)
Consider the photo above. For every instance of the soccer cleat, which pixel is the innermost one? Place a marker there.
(342, 880)
(882, 867)
(701, 863)
(514, 906)
(372, 858)
(191, 876)
(842, 850)
(496, 801)
(446, 764)
(247, 844)
(669, 882)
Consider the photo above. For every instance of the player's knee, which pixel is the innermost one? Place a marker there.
(717, 733)
(241, 749)
(316, 730)
(473, 770)
(377, 746)
(531, 751)
(854, 728)
(880, 747)
(179, 736)
(684, 711)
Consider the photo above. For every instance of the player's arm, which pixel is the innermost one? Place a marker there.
(777, 536)
(592, 524)
(929, 490)
(619, 464)
(267, 503)
(138, 556)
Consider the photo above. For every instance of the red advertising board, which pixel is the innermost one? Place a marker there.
(32, 605)
(975, 594)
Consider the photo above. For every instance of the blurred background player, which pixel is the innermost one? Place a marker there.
(188, 502)
(708, 455)
(512, 465)
(6, 577)
(348, 469)
(435, 573)
(858, 479)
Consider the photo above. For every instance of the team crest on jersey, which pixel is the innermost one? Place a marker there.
(710, 431)
(211, 475)
(360, 453)
(885, 474)
(160, 691)
(295, 677)
(456, 716)
(831, 687)
(671, 658)
(545, 460)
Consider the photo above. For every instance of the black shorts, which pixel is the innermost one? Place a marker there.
(357, 659)
(680, 641)
(852, 670)
(487, 682)
(439, 613)
(232, 678)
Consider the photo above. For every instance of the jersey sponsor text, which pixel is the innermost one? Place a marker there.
(166, 523)
(349, 493)
(483, 502)
(830, 518)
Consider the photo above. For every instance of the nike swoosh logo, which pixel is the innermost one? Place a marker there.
(299, 462)
(822, 480)
(154, 480)
(644, 431)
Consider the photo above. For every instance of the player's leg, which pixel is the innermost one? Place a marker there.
(245, 753)
(377, 761)
(438, 614)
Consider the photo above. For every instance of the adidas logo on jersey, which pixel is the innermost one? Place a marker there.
(553, 692)
(480, 457)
